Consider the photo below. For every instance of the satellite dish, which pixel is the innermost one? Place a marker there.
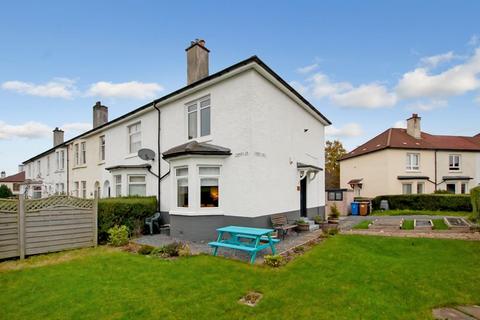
(146, 154)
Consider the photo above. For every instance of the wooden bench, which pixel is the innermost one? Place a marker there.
(280, 223)
(232, 246)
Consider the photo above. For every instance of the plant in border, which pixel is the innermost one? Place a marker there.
(334, 212)
(274, 261)
(475, 198)
(118, 236)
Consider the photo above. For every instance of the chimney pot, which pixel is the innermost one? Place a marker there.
(197, 61)
(100, 114)
(58, 137)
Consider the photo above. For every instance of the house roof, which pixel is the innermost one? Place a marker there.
(18, 177)
(399, 139)
(253, 59)
(193, 147)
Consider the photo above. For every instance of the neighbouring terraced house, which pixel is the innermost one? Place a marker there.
(409, 161)
(233, 147)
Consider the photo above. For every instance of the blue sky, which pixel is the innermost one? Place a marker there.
(366, 65)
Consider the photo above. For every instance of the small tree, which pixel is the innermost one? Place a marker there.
(475, 195)
(5, 192)
(334, 150)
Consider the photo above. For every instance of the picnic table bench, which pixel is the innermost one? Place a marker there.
(257, 240)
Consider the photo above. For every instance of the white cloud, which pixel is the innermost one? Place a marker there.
(454, 81)
(369, 96)
(400, 124)
(477, 99)
(132, 89)
(307, 69)
(57, 88)
(347, 131)
(427, 106)
(474, 40)
(299, 87)
(434, 61)
(29, 130)
(37, 130)
(321, 86)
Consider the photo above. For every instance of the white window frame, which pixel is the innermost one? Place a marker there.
(198, 110)
(101, 148)
(407, 184)
(84, 188)
(464, 188)
(208, 176)
(423, 187)
(131, 134)
(182, 177)
(48, 165)
(83, 152)
(129, 183)
(410, 166)
(118, 185)
(62, 159)
(39, 168)
(76, 191)
(453, 167)
(76, 153)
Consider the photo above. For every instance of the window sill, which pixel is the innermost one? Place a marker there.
(101, 163)
(203, 212)
(59, 171)
(202, 139)
(79, 167)
(131, 155)
(454, 171)
(413, 171)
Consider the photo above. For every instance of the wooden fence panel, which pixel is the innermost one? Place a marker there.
(46, 225)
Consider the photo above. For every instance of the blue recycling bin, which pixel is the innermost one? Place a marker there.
(355, 208)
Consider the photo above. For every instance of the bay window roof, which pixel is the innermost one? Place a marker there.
(195, 148)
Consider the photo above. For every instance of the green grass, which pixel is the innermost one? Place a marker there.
(439, 224)
(408, 225)
(345, 277)
(362, 225)
(420, 212)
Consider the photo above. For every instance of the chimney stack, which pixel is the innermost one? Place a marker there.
(3, 174)
(100, 115)
(197, 61)
(58, 136)
(413, 126)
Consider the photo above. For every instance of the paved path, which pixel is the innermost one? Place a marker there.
(457, 313)
(348, 222)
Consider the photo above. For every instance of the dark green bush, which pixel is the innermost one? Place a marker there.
(5, 192)
(130, 212)
(431, 202)
(475, 198)
(174, 249)
(145, 249)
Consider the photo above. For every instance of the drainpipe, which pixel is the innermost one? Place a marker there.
(159, 159)
(68, 172)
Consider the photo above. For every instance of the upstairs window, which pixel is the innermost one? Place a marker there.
(102, 148)
(39, 168)
(182, 187)
(77, 154)
(61, 160)
(48, 165)
(209, 190)
(135, 137)
(454, 162)
(413, 162)
(83, 154)
(198, 114)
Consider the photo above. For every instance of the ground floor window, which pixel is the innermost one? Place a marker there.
(182, 187)
(118, 185)
(84, 189)
(16, 187)
(335, 196)
(420, 188)
(137, 185)
(209, 189)
(463, 189)
(76, 187)
(407, 188)
(451, 187)
(37, 192)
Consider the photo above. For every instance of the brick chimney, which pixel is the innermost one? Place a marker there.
(100, 115)
(58, 136)
(413, 126)
(197, 61)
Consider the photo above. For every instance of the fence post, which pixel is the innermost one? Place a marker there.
(95, 221)
(21, 226)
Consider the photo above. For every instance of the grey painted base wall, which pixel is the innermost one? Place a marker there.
(203, 228)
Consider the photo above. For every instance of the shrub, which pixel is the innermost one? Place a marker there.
(274, 261)
(118, 236)
(475, 199)
(432, 202)
(301, 222)
(145, 249)
(318, 219)
(173, 249)
(130, 212)
(334, 213)
(5, 192)
(443, 192)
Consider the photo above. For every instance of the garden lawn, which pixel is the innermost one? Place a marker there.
(344, 277)
(420, 212)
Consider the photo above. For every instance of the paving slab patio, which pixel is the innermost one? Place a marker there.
(457, 313)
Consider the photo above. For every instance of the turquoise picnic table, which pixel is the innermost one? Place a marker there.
(246, 239)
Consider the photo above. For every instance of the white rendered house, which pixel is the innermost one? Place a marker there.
(231, 148)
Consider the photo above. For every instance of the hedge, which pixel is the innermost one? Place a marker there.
(128, 211)
(432, 202)
(475, 195)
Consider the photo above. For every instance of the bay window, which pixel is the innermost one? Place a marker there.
(137, 185)
(407, 188)
(118, 185)
(182, 187)
(209, 189)
(84, 189)
(413, 162)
